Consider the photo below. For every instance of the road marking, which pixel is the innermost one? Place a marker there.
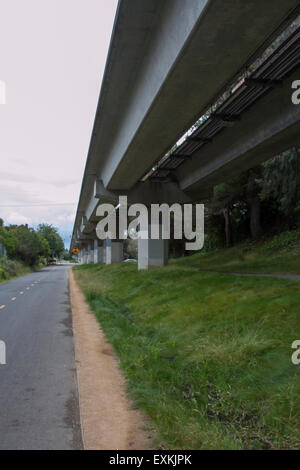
(13, 298)
(2, 306)
(21, 293)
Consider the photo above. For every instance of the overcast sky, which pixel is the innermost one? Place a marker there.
(52, 60)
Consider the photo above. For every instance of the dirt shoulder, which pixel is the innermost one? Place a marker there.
(108, 419)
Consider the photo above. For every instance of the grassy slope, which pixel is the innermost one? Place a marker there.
(280, 254)
(207, 356)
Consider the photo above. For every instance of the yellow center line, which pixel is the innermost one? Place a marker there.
(2, 306)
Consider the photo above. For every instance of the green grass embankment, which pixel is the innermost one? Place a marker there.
(207, 357)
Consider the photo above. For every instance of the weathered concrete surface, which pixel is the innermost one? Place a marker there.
(113, 251)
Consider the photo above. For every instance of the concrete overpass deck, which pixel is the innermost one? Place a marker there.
(170, 62)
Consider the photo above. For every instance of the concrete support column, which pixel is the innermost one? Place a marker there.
(104, 252)
(101, 254)
(82, 255)
(152, 253)
(113, 251)
(90, 252)
(95, 252)
(86, 255)
(98, 252)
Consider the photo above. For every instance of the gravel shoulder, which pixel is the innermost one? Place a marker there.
(107, 415)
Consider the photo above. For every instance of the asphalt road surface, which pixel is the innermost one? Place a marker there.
(39, 407)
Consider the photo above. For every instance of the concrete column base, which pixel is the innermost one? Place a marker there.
(152, 253)
(90, 259)
(85, 254)
(113, 251)
(101, 254)
(95, 252)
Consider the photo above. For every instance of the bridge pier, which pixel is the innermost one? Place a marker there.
(152, 253)
(98, 252)
(95, 251)
(90, 256)
(113, 251)
(101, 254)
(104, 252)
(83, 254)
(86, 254)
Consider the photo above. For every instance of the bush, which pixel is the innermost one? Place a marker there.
(287, 241)
(10, 268)
(2, 274)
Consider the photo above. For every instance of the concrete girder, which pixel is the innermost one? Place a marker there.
(168, 61)
(266, 129)
(178, 70)
(146, 193)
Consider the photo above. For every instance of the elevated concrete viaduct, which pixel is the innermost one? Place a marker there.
(168, 64)
(268, 128)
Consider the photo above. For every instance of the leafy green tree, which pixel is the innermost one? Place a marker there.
(225, 196)
(281, 183)
(44, 247)
(8, 239)
(67, 256)
(55, 241)
(29, 245)
(238, 200)
(252, 188)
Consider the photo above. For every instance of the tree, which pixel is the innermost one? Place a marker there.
(225, 195)
(282, 183)
(55, 241)
(29, 245)
(252, 193)
(67, 256)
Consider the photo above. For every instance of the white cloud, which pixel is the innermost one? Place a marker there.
(53, 87)
(17, 218)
